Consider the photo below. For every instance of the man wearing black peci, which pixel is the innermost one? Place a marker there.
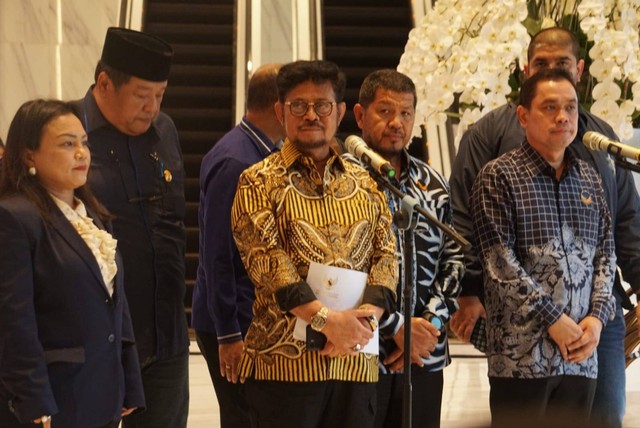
(137, 173)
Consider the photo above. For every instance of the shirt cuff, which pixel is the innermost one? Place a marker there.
(603, 312)
(390, 324)
(229, 338)
(379, 296)
(549, 312)
(294, 295)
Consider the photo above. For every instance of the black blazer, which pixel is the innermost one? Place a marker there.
(66, 347)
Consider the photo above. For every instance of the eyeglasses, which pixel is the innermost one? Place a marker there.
(300, 108)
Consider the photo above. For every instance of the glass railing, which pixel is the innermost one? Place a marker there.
(274, 31)
(130, 14)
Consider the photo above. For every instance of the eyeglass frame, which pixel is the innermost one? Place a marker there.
(311, 104)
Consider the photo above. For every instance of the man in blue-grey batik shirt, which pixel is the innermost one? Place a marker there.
(544, 238)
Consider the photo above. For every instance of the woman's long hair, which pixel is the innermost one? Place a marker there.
(25, 133)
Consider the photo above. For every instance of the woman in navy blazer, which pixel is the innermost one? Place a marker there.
(67, 352)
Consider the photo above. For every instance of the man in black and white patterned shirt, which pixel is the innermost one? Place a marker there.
(543, 233)
(386, 113)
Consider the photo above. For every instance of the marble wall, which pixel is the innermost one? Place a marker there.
(49, 49)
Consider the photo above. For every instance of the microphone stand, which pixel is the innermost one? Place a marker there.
(383, 181)
(406, 219)
(624, 163)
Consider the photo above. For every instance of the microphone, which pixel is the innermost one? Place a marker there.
(597, 141)
(357, 147)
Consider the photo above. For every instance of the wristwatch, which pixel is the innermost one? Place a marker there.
(319, 320)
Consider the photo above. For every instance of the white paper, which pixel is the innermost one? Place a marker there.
(338, 289)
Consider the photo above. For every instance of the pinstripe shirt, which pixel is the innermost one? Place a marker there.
(546, 247)
(284, 216)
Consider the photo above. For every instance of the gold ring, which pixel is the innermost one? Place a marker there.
(357, 348)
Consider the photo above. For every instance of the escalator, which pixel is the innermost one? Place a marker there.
(362, 36)
(199, 97)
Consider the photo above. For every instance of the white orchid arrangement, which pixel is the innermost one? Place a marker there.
(465, 56)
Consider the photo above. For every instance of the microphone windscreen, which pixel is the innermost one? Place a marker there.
(593, 140)
(352, 142)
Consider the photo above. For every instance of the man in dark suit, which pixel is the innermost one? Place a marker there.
(138, 174)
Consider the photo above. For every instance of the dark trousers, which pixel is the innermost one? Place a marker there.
(426, 399)
(558, 401)
(609, 404)
(329, 404)
(234, 411)
(166, 391)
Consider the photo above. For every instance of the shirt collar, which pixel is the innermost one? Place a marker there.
(536, 164)
(259, 139)
(92, 117)
(291, 155)
(408, 167)
(69, 212)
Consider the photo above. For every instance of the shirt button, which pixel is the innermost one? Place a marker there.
(111, 337)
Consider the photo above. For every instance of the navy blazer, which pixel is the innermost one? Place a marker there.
(66, 347)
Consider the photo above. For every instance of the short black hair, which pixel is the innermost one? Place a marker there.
(295, 73)
(388, 79)
(554, 36)
(117, 77)
(529, 87)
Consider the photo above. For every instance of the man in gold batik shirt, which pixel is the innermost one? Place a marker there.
(304, 204)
